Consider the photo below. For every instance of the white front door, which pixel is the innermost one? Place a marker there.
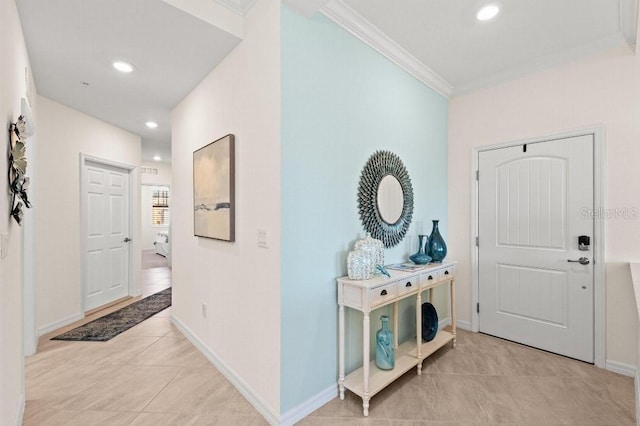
(106, 192)
(535, 201)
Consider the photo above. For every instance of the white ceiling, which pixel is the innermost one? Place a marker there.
(75, 41)
(446, 37)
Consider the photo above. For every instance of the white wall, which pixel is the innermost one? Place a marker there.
(148, 230)
(64, 133)
(162, 178)
(239, 282)
(601, 90)
(13, 61)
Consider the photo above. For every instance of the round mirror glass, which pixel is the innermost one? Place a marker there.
(390, 199)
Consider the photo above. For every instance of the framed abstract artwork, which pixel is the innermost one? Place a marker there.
(214, 190)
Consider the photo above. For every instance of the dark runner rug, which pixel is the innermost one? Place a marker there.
(109, 326)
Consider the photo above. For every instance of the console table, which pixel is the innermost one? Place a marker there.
(367, 295)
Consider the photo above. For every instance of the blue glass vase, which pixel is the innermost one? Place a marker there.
(385, 359)
(437, 247)
(421, 258)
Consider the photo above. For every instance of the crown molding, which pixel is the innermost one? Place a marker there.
(615, 41)
(628, 11)
(353, 22)
(213, 13)
(306, 8)
(236, 6)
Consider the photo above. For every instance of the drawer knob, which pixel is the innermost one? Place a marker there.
(383, 293)
(430, 277)
(408, 284)
(446, 272)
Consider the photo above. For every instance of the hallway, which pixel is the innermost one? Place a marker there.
(148, 375)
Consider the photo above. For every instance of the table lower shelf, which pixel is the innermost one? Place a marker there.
(406, 358)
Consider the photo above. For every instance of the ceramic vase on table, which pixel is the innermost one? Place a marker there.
(385, 358)
(421, 257)
(437, 248)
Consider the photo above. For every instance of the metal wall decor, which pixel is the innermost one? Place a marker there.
(379, 165)
(18, 181)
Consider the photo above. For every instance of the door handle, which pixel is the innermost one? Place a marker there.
(127, 239)
(582, 260)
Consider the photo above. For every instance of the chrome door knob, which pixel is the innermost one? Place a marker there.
(582, 260)
(127, 239)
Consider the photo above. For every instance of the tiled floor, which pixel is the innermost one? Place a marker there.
(148, 375)
(151, 375)
(489, 381)
(151, 259)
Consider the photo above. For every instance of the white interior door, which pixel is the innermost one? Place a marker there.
(106, 192)
(534, 203)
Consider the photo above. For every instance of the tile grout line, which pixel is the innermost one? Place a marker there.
(161, 390)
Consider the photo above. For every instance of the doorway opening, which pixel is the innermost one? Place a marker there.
(155, 202)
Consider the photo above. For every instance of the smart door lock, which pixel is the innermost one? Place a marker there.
(584, 243)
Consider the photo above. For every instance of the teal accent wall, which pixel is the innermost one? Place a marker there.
(342, 101)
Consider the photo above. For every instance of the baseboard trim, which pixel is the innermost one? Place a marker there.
(20, 413)
(621, 368)
(637, 388)
(107, 305)
(59, 324)
(309, 406)
(243, 387)
(465, 325)
(443, 323)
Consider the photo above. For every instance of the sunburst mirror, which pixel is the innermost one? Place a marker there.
(385, 198)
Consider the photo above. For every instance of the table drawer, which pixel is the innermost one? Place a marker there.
(447, 273)
(443, 274)
(431, 277)
(379, 295)
(407, 286)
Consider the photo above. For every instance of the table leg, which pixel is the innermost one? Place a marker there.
(365, 362)
(395, 325)
(453, 311)
(341, 350)
(419, 331)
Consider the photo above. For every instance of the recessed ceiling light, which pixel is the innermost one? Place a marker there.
(487, 12)
(151, 124)
(123, 66)
(157, 157)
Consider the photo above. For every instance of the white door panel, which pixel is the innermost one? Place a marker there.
(517, 289)
(107, 256)
(531, 212)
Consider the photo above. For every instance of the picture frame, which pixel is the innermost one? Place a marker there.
(214, 190)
